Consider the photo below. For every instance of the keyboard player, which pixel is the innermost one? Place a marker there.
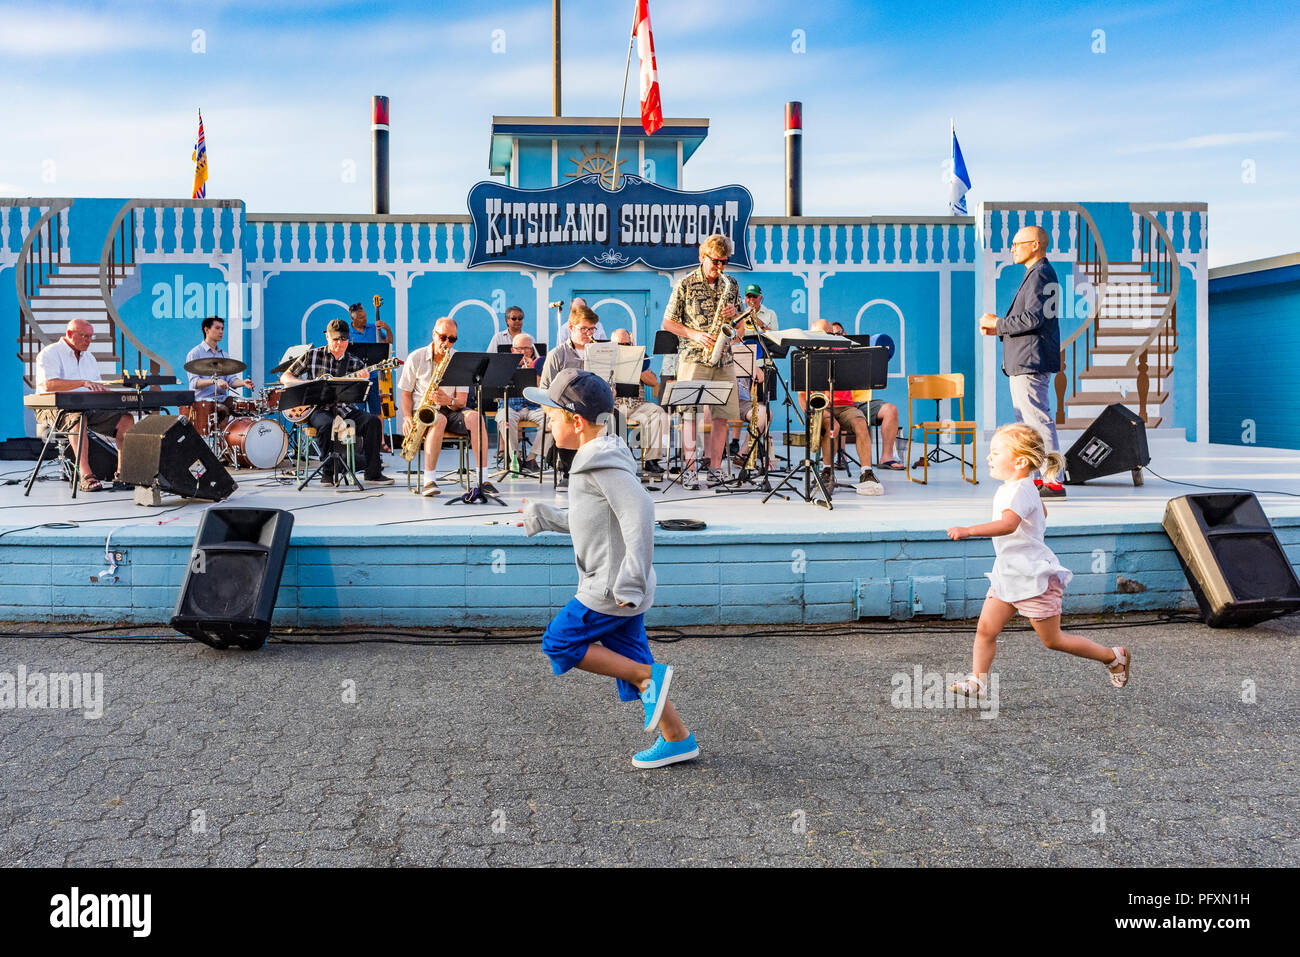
(69, 366)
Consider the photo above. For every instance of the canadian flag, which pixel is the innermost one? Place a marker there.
(652, 114)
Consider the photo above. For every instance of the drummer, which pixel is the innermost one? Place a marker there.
(210, 386)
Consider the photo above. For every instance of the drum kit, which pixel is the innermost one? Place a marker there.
(252, 437)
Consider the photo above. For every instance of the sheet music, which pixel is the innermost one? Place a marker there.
(600, 358)
(627, 367)
(799, 337)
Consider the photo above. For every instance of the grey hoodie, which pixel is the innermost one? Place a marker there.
(611, 519)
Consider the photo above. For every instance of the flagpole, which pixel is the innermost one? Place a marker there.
(623, 102)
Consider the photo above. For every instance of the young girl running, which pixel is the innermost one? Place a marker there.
(1026, 576)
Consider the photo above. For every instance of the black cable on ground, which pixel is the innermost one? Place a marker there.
(1219, 488)
(486, 637)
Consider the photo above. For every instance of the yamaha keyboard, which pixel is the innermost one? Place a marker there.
(126, 400)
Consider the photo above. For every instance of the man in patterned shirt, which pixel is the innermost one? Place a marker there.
(334, 360)
(689, 315)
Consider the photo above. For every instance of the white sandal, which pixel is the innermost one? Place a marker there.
(971, 687)
(1124, 658)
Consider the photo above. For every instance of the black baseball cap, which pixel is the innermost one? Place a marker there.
(578, 391)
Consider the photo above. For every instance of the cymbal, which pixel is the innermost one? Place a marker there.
(215, 366)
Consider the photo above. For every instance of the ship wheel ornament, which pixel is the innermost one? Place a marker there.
(597, 163)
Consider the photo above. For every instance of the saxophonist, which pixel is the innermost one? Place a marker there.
(699, 304)
(453, 417)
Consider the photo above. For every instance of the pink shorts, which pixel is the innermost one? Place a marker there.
(1046, 605)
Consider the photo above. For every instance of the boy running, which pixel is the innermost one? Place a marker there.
(611, 519)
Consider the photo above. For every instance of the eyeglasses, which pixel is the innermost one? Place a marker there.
(1022, 242)
(444, 337)
(718, 262)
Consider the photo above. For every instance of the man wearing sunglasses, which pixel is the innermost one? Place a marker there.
(453, 417)
(1031, 341)
(334, 360)
(689, 315)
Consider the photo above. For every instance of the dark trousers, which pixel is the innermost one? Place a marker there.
(369, 434)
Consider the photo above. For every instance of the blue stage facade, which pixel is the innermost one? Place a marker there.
(1135, 328)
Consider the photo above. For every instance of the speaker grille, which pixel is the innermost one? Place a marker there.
(1254, 567)
(228, 586)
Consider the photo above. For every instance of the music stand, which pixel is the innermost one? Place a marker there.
(684, 395)
(522, 379)
(329, 392)
(812, 369)
(477, 371)
(760, 445)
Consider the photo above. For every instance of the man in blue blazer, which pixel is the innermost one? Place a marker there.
(1031, 341)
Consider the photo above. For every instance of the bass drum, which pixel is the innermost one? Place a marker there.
(256, 443)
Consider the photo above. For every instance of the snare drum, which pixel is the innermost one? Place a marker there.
(271, 399)
(250, 407)
(255, 443)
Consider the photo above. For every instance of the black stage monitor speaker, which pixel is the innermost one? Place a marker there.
(1115, 442)
(234, 576)
(103, 455)
(1233, 560)
(166, 449)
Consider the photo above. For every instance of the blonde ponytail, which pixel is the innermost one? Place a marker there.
(1053, 467)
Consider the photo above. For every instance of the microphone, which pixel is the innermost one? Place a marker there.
(558, 304)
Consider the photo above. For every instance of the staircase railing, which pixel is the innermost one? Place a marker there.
(1161, 262)
(41, 251)
(116, 258)
(1091, 255)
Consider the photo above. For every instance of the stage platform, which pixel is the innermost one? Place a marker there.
(387, 556)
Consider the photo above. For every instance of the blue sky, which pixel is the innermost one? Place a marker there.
(100, 99)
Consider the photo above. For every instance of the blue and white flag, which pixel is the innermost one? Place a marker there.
(960, 182)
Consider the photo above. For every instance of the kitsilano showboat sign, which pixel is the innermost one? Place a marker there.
(582, 221)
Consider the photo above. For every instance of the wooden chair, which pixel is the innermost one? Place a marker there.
(950, 385)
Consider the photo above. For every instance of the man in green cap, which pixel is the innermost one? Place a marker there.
(754, 300)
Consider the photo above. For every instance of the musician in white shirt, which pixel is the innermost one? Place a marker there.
(69, 366)
(514, 326)
(453, 417)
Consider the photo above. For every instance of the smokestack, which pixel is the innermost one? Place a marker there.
(379, 140)
(555, 59)
(794, 158)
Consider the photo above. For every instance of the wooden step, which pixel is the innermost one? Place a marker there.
(1110, 398)
(1125, 350)
(1108, 372)
(1078, 425)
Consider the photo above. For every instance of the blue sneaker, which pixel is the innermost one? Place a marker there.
(667, 752)
(655, 695)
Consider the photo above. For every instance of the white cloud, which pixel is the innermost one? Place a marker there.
(49, 31)
(1209, 140)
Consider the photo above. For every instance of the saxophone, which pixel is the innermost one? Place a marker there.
(817, 403)
(721, 331)
(427, 414)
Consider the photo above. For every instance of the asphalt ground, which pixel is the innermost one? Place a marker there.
(359, 751)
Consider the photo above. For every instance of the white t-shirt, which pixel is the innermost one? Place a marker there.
(416, 373)
(58, 361)
(1024, 564)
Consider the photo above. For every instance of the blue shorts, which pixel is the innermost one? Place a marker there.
(568, 636)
